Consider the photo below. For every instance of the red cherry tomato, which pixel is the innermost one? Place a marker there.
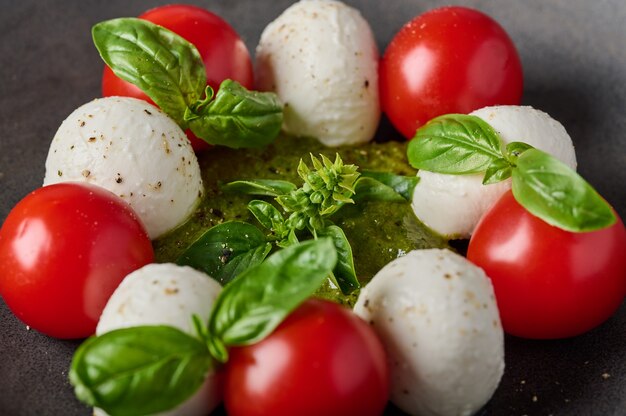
(322, 360)
(64, 249)
(223, 52)
(447, 60)
(549, 283)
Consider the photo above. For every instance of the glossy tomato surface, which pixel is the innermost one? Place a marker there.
(322, 360)
(447, 60)
(63, 250)
(549, 283)
(223, 52)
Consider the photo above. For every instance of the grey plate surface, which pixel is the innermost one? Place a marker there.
(574, 57)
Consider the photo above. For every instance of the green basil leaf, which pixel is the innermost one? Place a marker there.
(290, 240)
(162, 64)
(263, 187)
(552, 191)
(514, 150)
(243, 262)
(269, 217)
(256, 302)
(140, 370)
(404, 185)
(401, 185)
(344, 270)
(454, 144)
(497, 171)
(369, 189)
(226, 250)
(237, 117)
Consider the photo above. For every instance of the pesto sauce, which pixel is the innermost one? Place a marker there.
(378, 231)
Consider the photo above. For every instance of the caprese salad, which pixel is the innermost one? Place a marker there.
(224, 234)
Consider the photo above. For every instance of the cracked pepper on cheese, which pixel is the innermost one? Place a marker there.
(134, 150)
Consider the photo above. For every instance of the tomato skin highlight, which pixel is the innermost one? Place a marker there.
(549, 283)
(322, 360)
(64, 249)
(447, 60)
(223, 52)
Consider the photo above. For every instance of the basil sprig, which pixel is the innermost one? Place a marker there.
(149, 369)
(255, 303)
(236, 117)
(306, 213)
(170, 71)
(461, 144)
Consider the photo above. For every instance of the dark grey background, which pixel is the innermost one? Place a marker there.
(574, 57)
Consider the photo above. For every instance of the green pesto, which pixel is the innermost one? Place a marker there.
(377, 231)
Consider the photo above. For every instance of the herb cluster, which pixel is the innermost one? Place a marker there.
(294, 214)
(170, 71)
(460, 144)
(148, 369)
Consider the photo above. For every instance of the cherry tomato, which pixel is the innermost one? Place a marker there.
(549, 283)
(322, 360)
(64, 249)
(223, 52)
(447, 60)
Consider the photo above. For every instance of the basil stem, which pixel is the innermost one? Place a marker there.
(139, 370)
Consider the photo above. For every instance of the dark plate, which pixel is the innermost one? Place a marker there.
(574, 56)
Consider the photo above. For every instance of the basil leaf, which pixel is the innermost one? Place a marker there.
(514, 150)
(264, 187)
(497, 171)
(162, 64)
(403, 185)
(254, 304)
(344, 270)
(290, 240)
(369, 189)
(552, 191)
(454, 144)
(269, 217)
(237, 117)
(140, 370)
(226, 250)
(243, 262)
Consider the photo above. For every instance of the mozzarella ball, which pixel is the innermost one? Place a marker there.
(134, 150)
(436, 314)
(452, 204)
(321, 58)
(165, 294)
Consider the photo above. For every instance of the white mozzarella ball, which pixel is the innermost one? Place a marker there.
(321, 58)
(134, 150)
(452, 204)
(436, 314)
(165, 294)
